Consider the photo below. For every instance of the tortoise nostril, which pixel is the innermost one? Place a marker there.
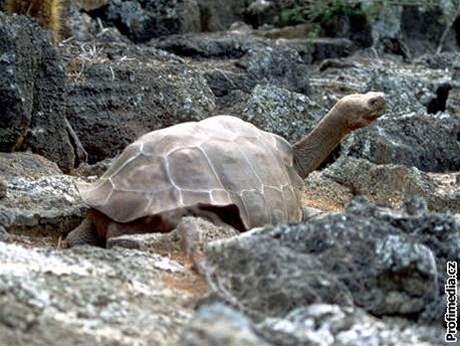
(377, 101)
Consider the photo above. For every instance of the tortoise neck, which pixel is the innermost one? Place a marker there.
(315, 147)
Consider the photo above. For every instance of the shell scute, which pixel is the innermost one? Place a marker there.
(254, 202)
(189, 169)
(233, 170)
(276, 204)
(144, 174)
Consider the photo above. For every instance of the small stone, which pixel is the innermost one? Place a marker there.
(415, 206)
(158, 242)
(3, 187)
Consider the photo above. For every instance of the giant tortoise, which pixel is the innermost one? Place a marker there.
(221, 168)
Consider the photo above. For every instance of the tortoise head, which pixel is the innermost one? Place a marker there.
(359, 110)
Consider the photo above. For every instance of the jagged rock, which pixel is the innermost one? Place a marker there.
(419, 27)
(190, 236)
(402, 94)
(146, 19)
(3, 187)
(390, 262)
(290, 115)
(216, 45)
(83, 27)
(279, 65)
(33, 95)
(40, 199)
(220, 325)
(218, 15)
(195, 233)
(235, 44)
(427, 141)
(90, 295)
(265, 279)
(327, 325)
(391, 185)
(163, 243)
(26, 165)
(405, 134)
(316, 324)
(315, 50)
(257, 61)
(125, 91)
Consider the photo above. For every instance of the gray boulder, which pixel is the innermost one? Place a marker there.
(219, 324)
(232, 61)
(89, 295)
(391, 185)
(40, 199)
(3, 187)
(121, 92)
(263, 278)
(279, 65)
(426, 141)
(327, 325)
(277, 110)
(316, 324)
(391, 263)
(33, 95)
(142, 20)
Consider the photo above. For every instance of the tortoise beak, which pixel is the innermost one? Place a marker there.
(376, 102)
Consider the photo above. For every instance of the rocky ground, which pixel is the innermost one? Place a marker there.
(368, 267)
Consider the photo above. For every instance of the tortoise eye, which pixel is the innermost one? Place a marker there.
(373, 101)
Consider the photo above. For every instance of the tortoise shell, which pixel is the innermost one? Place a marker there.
(219, 161)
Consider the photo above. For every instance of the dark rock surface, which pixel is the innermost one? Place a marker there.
(3, 187)
(277, 65)
(263, 278)
(390, 262)
(146, 19)
(391, 185)
(119, 92)
(218, 15)
(256, 61)
(277, 110)
(32, 94)
(429, 142)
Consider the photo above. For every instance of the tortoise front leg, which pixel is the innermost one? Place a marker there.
(85, 233)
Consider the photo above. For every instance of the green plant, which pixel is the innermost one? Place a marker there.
(309, 11)
(324, 11)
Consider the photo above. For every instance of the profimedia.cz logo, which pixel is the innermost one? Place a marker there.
(450, 317)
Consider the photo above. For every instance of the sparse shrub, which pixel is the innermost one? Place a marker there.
(325, 11)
